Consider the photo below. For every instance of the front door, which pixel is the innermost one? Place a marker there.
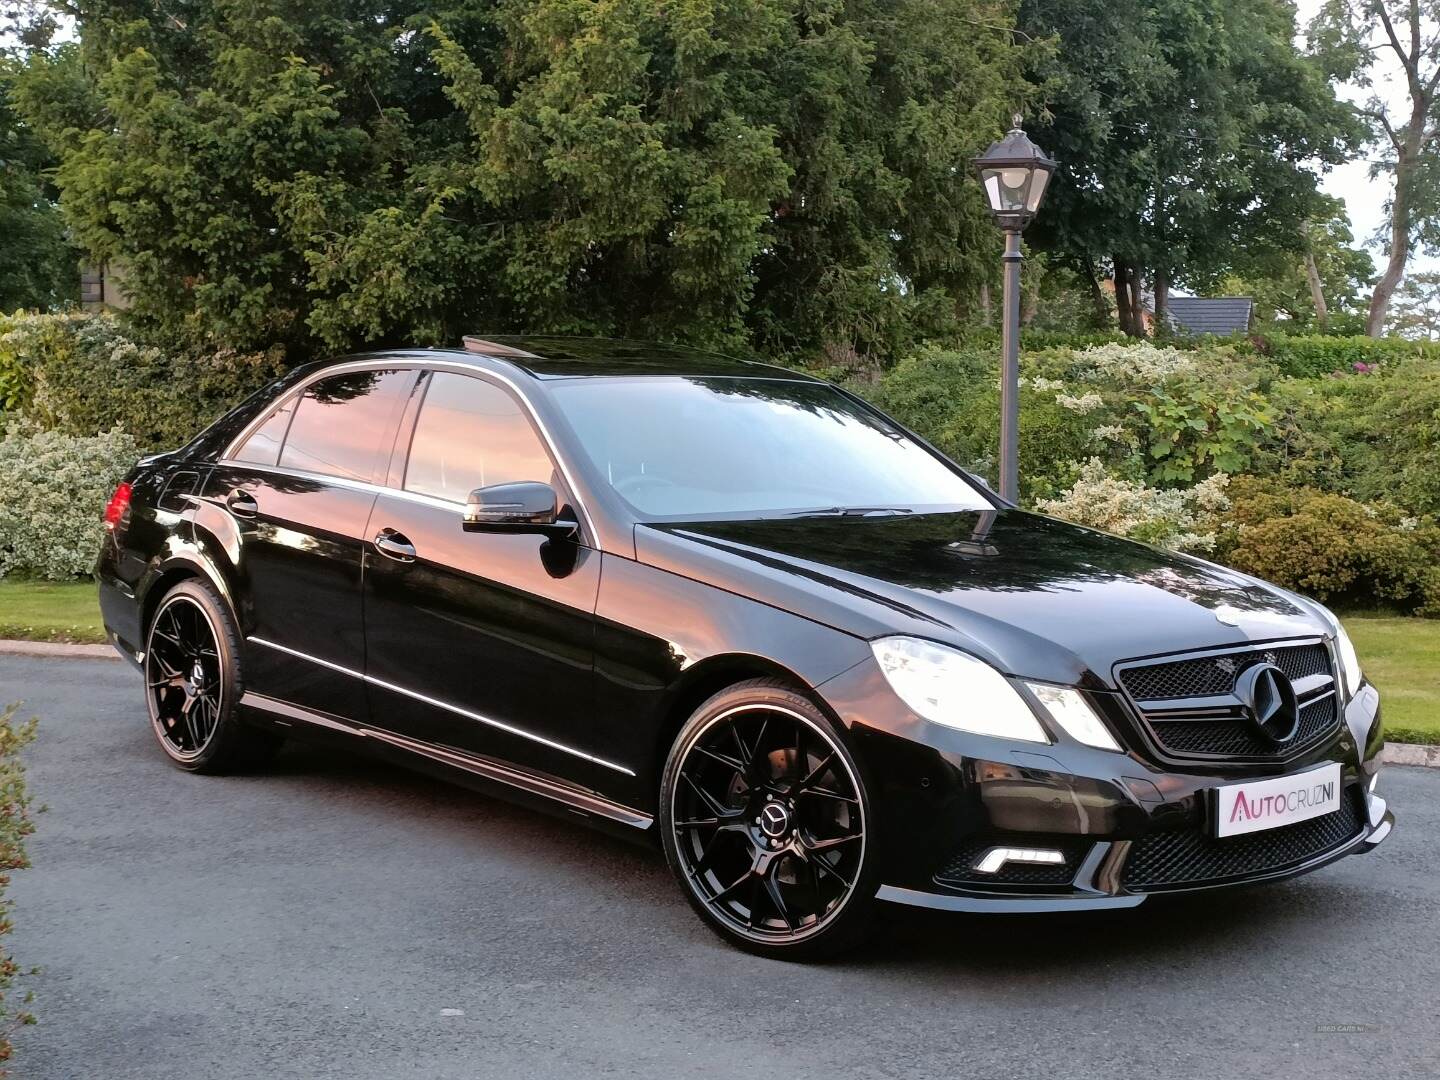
(301, 488)
(481, 642)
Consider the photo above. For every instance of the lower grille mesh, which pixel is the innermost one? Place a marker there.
(1180, 857)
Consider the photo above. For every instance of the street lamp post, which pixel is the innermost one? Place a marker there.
(1014, 173)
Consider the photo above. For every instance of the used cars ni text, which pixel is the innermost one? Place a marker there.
(736, 608)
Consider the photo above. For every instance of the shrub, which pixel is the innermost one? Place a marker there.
(1181, 520)
(1311, 355)
(1374, 438)
(83, 374)
(1331, 547)
(53, 488)
(15, 826)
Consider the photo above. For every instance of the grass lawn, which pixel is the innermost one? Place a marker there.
(1401, 656)
(50, 611)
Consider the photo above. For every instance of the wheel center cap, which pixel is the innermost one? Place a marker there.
(194, 680)
(774, 820)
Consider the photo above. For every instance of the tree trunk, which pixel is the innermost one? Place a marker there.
(1312, 275)
(985, 302)
(1162, 300)
(1097, 294)
(1399, 249)
(1123, 308)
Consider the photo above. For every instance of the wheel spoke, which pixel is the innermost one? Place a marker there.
(825, 793)
(730, 763)
(772, 890)
(834, 842)
(823, 866)
(715, 806)
(816, 772)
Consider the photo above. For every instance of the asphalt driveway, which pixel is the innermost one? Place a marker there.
(337, 918)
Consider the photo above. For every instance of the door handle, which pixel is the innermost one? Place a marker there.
(394, 545)
(242, 503)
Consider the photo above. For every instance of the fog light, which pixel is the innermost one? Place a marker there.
(995, 858)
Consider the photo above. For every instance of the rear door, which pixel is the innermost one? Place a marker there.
(300, 487)
(481, 642)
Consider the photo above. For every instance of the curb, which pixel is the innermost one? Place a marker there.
(1393, 754)
(10, 647)
(1399, 753)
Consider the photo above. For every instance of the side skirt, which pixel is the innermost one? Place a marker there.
(580, 801)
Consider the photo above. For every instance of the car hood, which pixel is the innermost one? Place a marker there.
(1033, 595)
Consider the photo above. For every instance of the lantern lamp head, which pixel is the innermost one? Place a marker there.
(1014, 173)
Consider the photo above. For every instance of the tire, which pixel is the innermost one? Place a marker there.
(193, 682)
(766, 821)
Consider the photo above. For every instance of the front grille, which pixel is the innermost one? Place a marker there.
(1222, 734)
(960, 870)
(1210, 675)
(1178, 858)
(1236, 738)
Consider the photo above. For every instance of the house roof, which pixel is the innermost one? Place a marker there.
(1204, 315)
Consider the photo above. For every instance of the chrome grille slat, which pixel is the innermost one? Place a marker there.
(1189, 708)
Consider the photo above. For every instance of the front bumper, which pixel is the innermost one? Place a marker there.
(1128, 826)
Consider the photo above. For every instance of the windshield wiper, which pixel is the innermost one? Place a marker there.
(850, 511)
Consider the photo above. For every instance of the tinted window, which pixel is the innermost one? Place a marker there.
(471, 434)
(263, 445)
(341, 422)
(688, 448)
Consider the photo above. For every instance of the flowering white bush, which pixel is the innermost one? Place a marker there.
(1180, 520)
(1084, 403)
(53, 490)
(1128, 364)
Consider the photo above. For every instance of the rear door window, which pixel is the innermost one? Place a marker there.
(342, 423)
(263, 445)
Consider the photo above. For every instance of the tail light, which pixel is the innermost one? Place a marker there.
(117, 506)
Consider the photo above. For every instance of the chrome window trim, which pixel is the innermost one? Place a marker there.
(407, 364)
(437, 703)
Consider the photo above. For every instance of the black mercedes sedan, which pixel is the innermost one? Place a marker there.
(738, 609)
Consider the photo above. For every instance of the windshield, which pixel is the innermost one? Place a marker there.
(692, 448)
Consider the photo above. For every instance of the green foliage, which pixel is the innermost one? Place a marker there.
(38, 266)
(1275, 277)
(53, 489)
(83, 374)
(711, 171)
(16, 824)
(1330, 547)
(1163, 415)
(1181, 126)
(1195, 428)
(1375, 437)
(1317, 354)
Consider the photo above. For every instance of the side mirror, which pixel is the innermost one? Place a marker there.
(521, 507)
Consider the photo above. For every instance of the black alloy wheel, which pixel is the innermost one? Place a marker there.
(765, 820)
(192, 684)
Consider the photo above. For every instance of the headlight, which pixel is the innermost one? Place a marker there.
(953, 688)
(1072, 712)
(1349, 662)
